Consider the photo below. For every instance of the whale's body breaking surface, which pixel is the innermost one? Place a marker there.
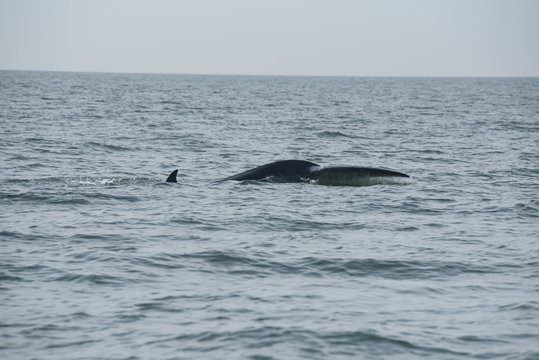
(279, 171)
(306, 171)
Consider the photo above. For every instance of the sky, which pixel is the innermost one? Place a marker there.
(273, 37)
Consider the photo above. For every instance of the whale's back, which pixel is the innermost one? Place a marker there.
(285, 170)
(306, 171)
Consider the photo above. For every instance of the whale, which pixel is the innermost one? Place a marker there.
(306, 171)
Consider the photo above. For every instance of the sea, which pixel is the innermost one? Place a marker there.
(100, 258)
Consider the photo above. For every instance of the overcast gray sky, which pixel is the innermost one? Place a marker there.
(286, 37)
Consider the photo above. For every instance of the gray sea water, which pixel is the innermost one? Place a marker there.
(101, 259)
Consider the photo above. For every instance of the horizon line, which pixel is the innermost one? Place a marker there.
(266, 75)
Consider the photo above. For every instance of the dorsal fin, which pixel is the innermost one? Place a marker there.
(172, 177)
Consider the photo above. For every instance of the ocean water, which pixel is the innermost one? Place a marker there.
(101, 259)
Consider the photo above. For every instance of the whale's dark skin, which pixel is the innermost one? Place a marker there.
(301, 171)
(172, 177)
(286, 171)
(306, 171)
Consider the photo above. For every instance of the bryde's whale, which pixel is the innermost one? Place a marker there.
(306, 171)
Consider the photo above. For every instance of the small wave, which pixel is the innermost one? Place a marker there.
(127, 318)
(41, 140)
(528, 209)
(333, 134)
(242, 264)
(481, 339)
(126, 198)
(164, 261)
(431, 151)
(157, 306)
(75, 344)
(95, 279)
(5, 277)
(12, 235)
(258, 342)
(51, 327)
(118, 242)
(531, 306)
(392, 269)
(108, 147)
(71, 200)
(25, 197)
(18, 157)
(187, 221)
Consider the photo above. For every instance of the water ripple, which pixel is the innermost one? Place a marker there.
(243, 264)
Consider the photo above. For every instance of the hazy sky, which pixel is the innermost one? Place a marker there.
(287, 37)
